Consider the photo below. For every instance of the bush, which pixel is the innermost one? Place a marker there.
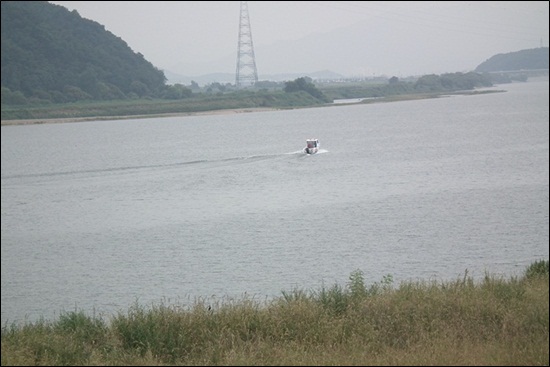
(537, 269)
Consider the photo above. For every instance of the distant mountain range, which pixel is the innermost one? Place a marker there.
(372, 48)
(224, 78)
(531, 59)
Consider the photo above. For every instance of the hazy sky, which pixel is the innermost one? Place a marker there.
(352, 38)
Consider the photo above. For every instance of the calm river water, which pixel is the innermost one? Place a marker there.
(97, 216)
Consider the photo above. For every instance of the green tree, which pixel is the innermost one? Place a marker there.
(305, 84)
(176, 91)
(12, 98)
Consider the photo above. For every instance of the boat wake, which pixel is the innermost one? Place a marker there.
(206, 163)
(320, 151)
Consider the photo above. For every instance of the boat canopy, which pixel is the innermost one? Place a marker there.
(312, 143)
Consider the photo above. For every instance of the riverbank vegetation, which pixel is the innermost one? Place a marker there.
(154, 107)
(494, 321)
(302, 92)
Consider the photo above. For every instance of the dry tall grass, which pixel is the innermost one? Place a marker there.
(493, 322)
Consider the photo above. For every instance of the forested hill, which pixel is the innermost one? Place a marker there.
(51, 53)
(531, 59)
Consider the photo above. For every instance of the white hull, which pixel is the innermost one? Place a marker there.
(310, 150)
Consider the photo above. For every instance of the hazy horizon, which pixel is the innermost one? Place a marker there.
(352, 38)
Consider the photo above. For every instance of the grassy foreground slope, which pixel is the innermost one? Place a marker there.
(495, 321)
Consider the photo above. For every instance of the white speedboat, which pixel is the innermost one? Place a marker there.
(312, 146)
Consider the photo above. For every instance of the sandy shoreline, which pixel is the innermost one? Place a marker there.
(105, 118)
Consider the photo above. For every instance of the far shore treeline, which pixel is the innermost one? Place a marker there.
(56, 64)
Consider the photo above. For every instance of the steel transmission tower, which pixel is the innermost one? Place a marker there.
(247, 74)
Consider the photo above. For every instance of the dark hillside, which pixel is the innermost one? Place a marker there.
(531, 59)
(52, 54)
